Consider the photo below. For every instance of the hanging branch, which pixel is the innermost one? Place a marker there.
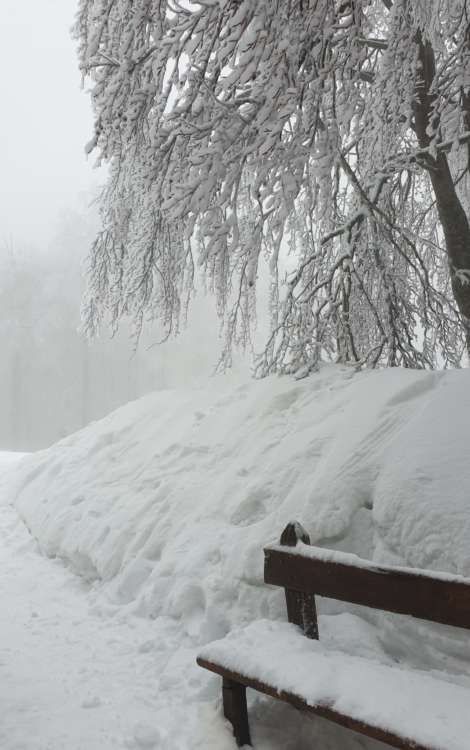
(235, 130)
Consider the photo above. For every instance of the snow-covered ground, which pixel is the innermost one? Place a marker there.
(156, 518)
(70, 678)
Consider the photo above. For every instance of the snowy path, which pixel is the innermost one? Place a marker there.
(80, 674)
(71, 679)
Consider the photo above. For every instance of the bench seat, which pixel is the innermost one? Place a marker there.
(404, 707)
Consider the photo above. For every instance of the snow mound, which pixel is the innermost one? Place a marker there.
(166, 504)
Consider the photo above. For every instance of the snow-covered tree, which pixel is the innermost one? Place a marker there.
(238, 129)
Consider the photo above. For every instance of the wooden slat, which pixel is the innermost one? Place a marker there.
(389, 589)
(391, 738)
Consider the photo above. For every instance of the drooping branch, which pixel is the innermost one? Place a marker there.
(237, 130)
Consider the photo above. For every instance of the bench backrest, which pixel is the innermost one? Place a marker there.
(305, 571)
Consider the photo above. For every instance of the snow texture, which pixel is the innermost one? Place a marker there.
(163, 508)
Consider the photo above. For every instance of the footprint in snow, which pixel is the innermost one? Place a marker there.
(91, 702)
(252, 509)
(146, 737)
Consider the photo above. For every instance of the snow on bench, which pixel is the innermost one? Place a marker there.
(403, 707)
(426, 707)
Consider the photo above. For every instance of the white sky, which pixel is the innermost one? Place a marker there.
(45, 119)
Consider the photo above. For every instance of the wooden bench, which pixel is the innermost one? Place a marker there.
(369, 697)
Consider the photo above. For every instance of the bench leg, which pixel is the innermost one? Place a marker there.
(235, 710)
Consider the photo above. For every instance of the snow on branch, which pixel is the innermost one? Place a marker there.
(239, 130)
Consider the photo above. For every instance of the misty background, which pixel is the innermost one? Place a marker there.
(52, 381)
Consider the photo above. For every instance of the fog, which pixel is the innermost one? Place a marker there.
(46, 119)
(52, 381)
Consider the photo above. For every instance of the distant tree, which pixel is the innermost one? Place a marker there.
(52, 381)
(18, 285)
(337, 128)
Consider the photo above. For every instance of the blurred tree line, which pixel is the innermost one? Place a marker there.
(52, 380)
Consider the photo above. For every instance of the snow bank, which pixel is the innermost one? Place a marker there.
(10, 462)
(167, 503)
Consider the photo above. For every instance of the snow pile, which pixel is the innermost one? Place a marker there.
(166, 504)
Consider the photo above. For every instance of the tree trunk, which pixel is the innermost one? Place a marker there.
(452, 215)
(457, 238)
